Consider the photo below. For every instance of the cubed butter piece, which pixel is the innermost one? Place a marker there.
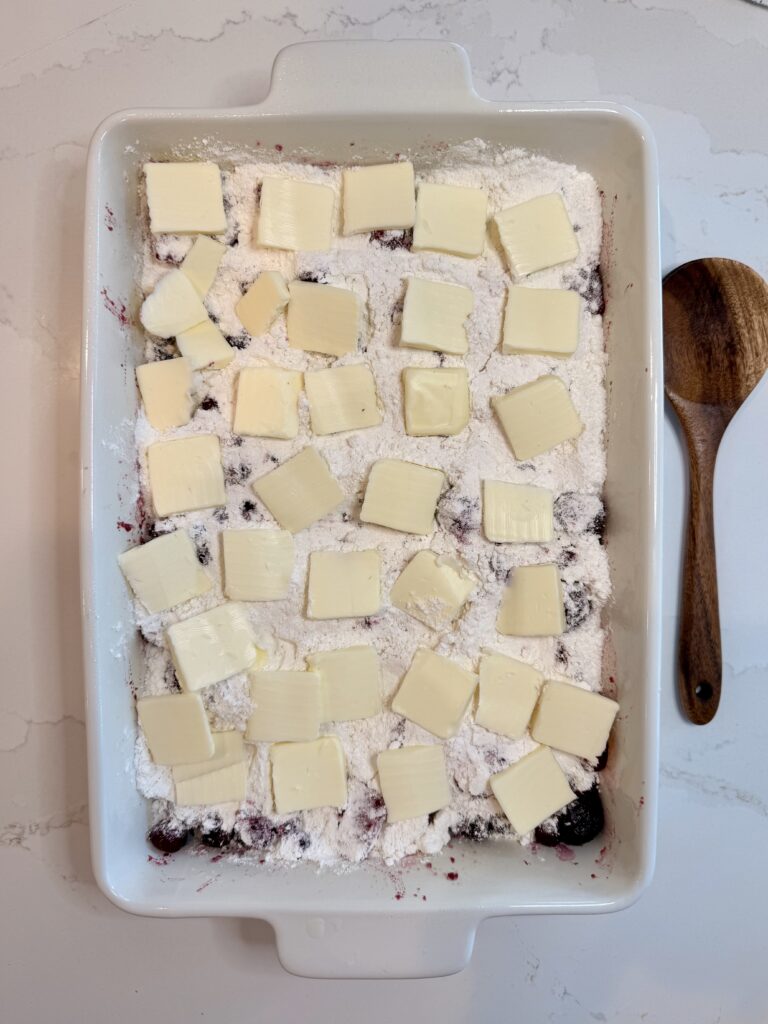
(201, 263)
(532, 604)
(286, 706)
(308, 775)
(185, 199)
(379, 198)
(186, 474)
(205, 347)
(174, 306)
(434, 315)
(266, 297)
(517, 513)
(257, 564)
(164, 571)
(541, 321)
(228, 749)
(322, 318)
(343, 584)
(212, 646)
(436, 401)
(402, 496)
(573, 720)
(433, 589)
(509, 690)
(413, 781)
(537, 234)
(301, 491)
(532, 790)
(267, 402)
(435, 693)
(165, 391)
(220, 779)
(295, 215)
(176, 728)
(342, 398)
(350, 682)
(450, 218)
(537, 417)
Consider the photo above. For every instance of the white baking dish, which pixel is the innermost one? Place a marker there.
(386, 98)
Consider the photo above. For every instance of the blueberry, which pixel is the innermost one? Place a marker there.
(247, 509)
(602, 761)
(239, 341)
(561, 653)
(579, 823)
(393, 239)
(221, 515)
(237, 474)
(371, 817)
(459, 515)
(578, 605)
(168, 836)
(203, 552)
(257, 832)
(597, 525)
(578, 513)
(310, 278)
(567, 557)
(216, 837)
(209, 402)
(478, 829)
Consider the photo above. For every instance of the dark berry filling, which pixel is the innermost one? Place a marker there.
(168, 836)
(578, 823)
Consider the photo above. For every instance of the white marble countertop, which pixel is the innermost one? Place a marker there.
(693, 949)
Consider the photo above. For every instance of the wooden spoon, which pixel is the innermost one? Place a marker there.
(715, 352)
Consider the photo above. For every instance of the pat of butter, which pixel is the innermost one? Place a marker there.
(164, 571)
(267, 402)
(350, 682)
(257, 564)
(221, 779)
(299, 492)
(532, 790)
(541, 321)
(322, 318)
(212, 646)
(435, 693)
(308, 775)
(342, 398)
(537, 234)
(517, 513)
(186, 474)
(573, 720)
(450, 218)
(174, 306)
(436, 401)
(402, 496)
(176, 728)
(286, 706)
(537, 417)
(343, 584)
(413, 781)
(433, 589)
(295, 215)
(201, 263)
(165, 391)
(185, 199)
(434, 315)
(532, 604)
(266, 297)
(509, 690)
(379, 198)
(228, 749)
(205, 347)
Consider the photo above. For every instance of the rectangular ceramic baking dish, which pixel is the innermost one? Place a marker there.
(384, 98)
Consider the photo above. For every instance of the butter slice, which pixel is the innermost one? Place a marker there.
(286, 706)
(537, 417)
(308, 775)
(532, 790)
(436, 401)
(343, 584)
(434, 315)
(573, 720)
(537, 234)
(379, 198)
(295, 215)
(205, 347)
(413, 781)
(342, 398)
(221, 779)
(174, 306)
(186, 474)
(165, 391)
(212, 646)
(201, 263)
(185, 199)
(541, 321)
(265, 298)
(517, 513)
(509, 690)
(257, 564)
(164, 571)
(450, 218)
(176, 728)
(350, 682)
(435, 693)
(532, 604)
(267, 402)
(322, 318)
(433, 589)
(402, 496)
(301, 491)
